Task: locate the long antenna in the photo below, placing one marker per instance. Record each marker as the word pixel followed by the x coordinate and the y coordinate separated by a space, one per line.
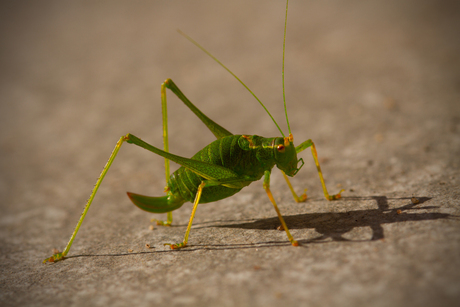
pixel 284 48
pixel 215 59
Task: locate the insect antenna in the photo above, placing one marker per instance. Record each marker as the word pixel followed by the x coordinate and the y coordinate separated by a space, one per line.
pixel 220 63
pixel 282 73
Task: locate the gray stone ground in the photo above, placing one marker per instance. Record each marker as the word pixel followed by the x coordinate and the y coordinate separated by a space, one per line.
pixel 374 83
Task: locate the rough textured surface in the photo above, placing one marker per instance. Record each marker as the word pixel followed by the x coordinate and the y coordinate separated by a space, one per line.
pixel 375 84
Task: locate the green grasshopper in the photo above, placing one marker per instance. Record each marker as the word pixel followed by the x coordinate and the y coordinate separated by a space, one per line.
pixel 219 170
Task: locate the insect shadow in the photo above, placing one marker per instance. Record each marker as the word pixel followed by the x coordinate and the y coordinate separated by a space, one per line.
pixel 331 226
pixel 334 225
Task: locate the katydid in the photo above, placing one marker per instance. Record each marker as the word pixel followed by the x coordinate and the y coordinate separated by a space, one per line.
pixel 219 170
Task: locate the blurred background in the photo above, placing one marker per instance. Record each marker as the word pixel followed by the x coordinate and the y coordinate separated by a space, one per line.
pixel 77 75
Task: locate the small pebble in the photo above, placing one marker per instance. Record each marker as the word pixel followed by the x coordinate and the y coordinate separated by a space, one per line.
pixel 414 200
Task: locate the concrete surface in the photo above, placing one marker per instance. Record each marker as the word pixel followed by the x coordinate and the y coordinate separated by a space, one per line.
pixel 374 83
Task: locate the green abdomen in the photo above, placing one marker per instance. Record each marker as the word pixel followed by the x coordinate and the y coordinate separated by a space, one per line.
pixel 223 152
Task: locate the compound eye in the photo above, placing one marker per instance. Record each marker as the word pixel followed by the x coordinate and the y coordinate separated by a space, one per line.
pixel 280 148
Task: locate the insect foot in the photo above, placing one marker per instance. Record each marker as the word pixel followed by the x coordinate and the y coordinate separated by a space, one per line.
pixel 161 223
pixel 302 197
pixel 176 246
pixel 54 258
pixel 336 196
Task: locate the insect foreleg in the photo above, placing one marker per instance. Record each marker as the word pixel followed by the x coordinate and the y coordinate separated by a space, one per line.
pixel 305 145
pixel 298 199
pixel 269 193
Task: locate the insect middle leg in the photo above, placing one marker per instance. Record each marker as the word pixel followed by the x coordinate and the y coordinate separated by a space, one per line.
pixel 236 182
pixel 189 227
pixel 270 196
